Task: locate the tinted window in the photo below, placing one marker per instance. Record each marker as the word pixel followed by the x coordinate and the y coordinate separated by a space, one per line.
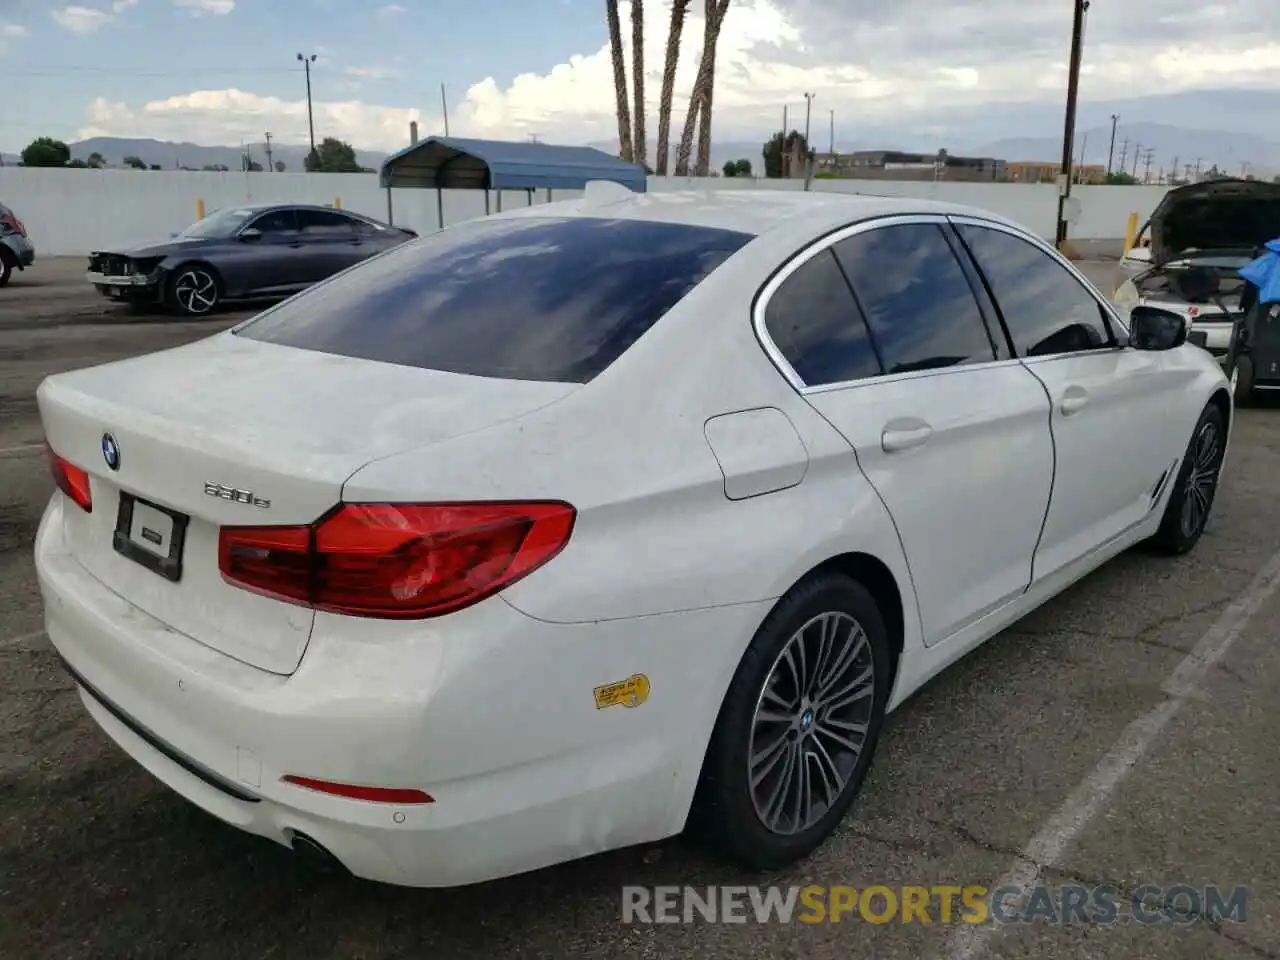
pixel 324 221
pixel 523 298
pixel 276 221
pixel 219 224
pixel 920 307
pixel 814 321
pixel 1045 308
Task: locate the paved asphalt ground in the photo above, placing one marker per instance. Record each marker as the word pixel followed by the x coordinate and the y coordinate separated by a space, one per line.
pixel 1124 735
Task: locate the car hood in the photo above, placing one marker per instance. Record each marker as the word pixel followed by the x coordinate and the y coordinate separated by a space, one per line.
pixel 1218 215
pixel 161 248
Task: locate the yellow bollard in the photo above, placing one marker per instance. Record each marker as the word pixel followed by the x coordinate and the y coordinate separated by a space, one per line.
pixel 337 203
pixel 1130 233
pixel 200 209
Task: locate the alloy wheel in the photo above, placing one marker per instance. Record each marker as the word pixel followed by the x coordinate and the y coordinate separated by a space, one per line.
pixel 196 291
pixel 811 723
pixel 1202 479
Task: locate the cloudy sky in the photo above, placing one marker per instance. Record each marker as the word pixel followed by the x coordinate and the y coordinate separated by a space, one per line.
pixel 225 71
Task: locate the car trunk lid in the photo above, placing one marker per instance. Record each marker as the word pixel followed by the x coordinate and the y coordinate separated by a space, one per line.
pixel 229 431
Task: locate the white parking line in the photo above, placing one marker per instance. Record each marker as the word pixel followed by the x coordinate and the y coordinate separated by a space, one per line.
pixel 21 639
pixel 23 450
pixel 1094 792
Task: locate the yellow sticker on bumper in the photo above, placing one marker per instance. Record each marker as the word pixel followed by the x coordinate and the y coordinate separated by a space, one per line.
pixel 630 692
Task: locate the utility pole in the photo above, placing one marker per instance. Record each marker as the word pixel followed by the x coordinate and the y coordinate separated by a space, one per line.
pixel 808 164
pixel 832 149
pixel 782 151
pixel 1244 168
pixel 1069 123
pixel 270 166
pixel 1124 155
pixel 1146 172
pixel 1199 160
pixel 1111 151
pixel 1137 155
pixel 1173 168
pixel 1079 164
pixel 311 125
pixel 444 109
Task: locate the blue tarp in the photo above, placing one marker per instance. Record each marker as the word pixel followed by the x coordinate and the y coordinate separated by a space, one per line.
pixel 1264 273
pixel 453 162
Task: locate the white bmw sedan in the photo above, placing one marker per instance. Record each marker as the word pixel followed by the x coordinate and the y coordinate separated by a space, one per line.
pixel 575 527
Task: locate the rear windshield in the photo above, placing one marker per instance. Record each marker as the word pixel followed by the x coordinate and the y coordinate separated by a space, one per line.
pixel 523 298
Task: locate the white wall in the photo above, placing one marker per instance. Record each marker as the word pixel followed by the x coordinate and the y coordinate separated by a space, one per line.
pixel 70 212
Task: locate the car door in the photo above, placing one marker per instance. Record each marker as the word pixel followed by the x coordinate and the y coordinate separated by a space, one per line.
pixel 1114 447
pixel 951 431
pixel 268 264
pixel 330 243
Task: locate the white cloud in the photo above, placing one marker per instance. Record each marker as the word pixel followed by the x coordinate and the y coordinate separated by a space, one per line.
pixel 12 31
pixel 913 66
pixel 371 73
pixel 120 6
pixel 219 117
pixel 390 10
pixel 81 20
pixel 219 8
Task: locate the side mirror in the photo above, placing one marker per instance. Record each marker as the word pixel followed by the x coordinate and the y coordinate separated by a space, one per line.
pixel 1151 328
pixel 250 235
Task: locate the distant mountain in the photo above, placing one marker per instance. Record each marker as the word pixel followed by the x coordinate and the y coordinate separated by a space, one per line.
pixel 1226 149
pixel 172 156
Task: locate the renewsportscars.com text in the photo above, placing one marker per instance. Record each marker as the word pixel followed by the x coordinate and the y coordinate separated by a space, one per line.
pixel 938 904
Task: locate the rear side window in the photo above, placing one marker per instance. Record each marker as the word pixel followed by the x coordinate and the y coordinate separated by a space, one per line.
pixel 522 299
pixel 815 323
pixel 917 300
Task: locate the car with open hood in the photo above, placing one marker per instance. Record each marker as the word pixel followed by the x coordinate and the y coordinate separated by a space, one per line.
pixel 1201 235
pixel 242 253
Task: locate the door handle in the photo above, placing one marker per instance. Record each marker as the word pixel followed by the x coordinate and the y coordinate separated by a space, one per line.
pixel 295 243
pixel 905 435
pixel 1073 400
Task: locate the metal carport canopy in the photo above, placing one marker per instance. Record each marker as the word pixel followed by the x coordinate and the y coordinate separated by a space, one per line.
pixel 457 163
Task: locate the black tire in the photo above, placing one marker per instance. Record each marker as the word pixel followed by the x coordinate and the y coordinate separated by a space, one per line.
pixel 1182 525
pixel 724 813
pixel 194 290
pixel 6 267
pixel 1242 381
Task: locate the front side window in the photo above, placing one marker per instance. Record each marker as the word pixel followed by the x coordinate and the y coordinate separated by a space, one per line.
pixel 919 304
pixel 1046 310
pixel 524 298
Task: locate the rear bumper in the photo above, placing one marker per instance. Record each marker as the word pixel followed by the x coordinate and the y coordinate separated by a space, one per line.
pixel 494 717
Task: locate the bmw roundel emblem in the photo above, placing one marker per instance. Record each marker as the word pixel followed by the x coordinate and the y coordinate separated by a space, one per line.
pixel 110 451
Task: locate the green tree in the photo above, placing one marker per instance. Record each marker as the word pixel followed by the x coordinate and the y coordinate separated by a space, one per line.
pixel 97 161
pixel 156 166
pixel 777 147
pixel 46 152
pixel 744 167
pixel 135 163
pixel 281 166
pixel 1120 179
pixel 333 156
pixel 731 168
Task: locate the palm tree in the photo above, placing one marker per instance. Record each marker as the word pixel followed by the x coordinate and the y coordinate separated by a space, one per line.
pixel 637 68
pixel 700 101
pixel 619 81
pixel 679 8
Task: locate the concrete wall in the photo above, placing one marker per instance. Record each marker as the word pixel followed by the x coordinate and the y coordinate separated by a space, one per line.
pixel 70 212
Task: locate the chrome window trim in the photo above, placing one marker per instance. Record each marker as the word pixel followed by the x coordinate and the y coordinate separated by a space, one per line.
pixel 766 293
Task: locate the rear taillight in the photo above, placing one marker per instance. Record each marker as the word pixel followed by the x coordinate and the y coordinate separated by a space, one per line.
pixel 397 560
pixel 71 480
pixel 350 791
